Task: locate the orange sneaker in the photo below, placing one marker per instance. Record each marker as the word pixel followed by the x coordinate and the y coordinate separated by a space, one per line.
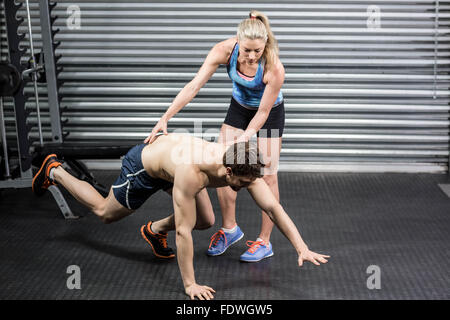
pixel 158 242
pixel 41 180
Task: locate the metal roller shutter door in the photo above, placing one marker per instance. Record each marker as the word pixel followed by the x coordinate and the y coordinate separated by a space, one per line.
pixel 360 96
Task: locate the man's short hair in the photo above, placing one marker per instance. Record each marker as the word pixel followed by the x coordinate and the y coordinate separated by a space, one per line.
pixel 244 160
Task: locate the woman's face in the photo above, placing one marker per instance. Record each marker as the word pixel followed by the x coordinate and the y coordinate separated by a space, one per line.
pixel 250 51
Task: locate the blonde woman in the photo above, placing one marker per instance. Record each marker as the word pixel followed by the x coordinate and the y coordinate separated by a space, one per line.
pixel 256 107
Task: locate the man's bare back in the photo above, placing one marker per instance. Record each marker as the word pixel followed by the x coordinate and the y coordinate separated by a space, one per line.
pixel 168 152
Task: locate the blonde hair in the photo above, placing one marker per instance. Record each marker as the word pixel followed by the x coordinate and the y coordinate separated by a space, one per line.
pixel 257 26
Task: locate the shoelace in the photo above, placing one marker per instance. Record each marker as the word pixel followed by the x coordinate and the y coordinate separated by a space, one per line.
pixel 162 238
pixel 216 237
pixel 254 245
pixel 47 184
pixel 163 241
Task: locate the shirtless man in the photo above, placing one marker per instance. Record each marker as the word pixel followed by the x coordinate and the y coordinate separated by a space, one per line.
pixel 183 166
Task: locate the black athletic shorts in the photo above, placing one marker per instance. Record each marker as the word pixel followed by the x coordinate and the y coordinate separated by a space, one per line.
pixel 134 185
pixel 239 117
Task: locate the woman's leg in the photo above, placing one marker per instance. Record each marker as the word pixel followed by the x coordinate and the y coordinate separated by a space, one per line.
pixel 270 149
pixel 227 200
pixel 227 197
pixel 107 209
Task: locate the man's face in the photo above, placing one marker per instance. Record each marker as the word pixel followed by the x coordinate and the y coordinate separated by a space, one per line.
pixel 238 182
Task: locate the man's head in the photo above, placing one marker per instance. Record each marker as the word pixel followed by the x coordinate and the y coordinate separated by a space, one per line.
pixel 243 165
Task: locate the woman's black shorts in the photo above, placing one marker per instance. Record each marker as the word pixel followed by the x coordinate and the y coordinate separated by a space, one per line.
pixel 239 117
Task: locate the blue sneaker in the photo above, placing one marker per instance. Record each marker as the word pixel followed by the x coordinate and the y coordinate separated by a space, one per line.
pixel 257 251
pixel 221 241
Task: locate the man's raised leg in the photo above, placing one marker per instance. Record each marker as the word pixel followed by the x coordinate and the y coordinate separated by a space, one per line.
pixel 51 172
pixel 108 209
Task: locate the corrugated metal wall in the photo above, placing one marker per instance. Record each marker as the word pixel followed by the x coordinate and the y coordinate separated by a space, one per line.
pixel 360 93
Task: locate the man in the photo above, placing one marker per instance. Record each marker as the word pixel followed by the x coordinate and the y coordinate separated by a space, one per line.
pixel 183 166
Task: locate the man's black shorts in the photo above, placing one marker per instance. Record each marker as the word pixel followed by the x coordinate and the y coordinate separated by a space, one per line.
pixel 134 185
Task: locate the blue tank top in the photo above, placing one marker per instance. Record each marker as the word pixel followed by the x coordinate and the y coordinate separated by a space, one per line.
pixel 248 92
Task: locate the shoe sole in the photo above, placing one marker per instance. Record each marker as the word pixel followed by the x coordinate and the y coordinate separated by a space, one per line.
pixel 268 256
pixel 218 254
pixel 40 169
pixel 151 245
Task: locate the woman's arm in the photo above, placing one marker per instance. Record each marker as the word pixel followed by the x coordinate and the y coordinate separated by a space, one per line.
pixel 218 55
pixel 275 80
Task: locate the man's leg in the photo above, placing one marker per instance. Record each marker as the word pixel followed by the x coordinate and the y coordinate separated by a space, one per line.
pixel 155 232
pixel 107 209
pixel 205 215
pixel 205 212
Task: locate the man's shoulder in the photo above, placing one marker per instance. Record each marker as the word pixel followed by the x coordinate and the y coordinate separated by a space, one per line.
pixel 256 183
pixel 189 172
pixel 189 180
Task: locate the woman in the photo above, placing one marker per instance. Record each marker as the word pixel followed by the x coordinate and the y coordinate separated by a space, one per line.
pixel 256 107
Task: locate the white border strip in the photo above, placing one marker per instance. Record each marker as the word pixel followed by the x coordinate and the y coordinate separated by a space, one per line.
pixel 315 167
